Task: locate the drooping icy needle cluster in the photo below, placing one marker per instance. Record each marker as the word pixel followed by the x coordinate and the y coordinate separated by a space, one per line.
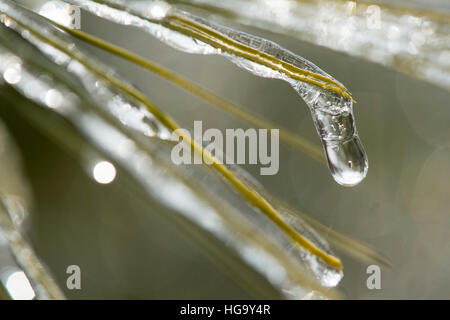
pixel 42 64
pixel 329 101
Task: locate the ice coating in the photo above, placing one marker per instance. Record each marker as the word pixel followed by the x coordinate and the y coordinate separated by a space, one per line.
pixel 328 100
pixel 408 36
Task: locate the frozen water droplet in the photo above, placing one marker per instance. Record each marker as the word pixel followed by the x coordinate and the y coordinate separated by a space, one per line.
pixel 346 158
pixel 347 161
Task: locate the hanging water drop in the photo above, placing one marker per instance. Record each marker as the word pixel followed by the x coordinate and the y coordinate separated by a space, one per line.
pixel 347 162
pixel 345 154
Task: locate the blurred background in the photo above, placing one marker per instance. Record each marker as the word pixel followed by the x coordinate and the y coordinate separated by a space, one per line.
pixel 126 251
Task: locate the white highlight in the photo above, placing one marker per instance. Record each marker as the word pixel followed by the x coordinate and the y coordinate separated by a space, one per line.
pixel 53 98
pixel 12 75
pixel 156 10
pixel 18 286
pixel 62 13
pixel 104 172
